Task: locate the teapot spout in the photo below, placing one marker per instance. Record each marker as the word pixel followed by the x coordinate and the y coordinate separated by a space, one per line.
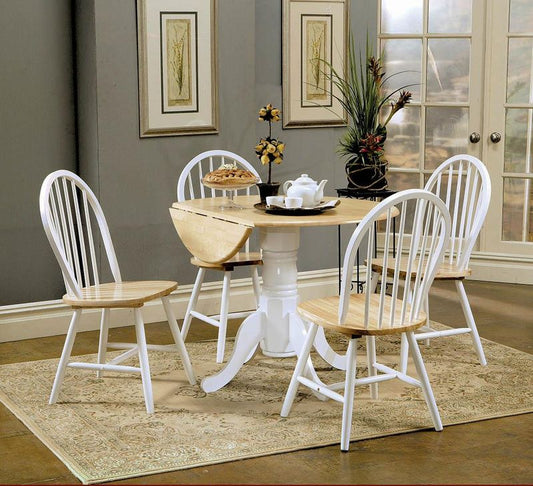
pixel 322 184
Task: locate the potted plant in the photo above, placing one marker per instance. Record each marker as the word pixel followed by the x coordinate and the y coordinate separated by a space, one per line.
pixel 269 150
pixel 363 97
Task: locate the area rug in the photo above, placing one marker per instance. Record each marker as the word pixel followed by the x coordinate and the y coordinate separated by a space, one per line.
pixel 100 430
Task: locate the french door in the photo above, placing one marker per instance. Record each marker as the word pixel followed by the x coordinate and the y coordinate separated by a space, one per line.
pixel 509 118
pixel 469 65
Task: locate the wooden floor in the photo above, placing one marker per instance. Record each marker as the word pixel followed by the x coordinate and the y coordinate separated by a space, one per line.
pixel 498 451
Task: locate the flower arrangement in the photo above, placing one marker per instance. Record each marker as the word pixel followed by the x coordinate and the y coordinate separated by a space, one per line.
pixel 269 149
pixel 363 97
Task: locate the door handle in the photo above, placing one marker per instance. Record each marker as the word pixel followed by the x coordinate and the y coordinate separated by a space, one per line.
pixel 475 137
pixel 495 137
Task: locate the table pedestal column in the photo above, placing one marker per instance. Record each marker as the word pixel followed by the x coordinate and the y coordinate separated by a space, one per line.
pixel 276 325
pixel 279 295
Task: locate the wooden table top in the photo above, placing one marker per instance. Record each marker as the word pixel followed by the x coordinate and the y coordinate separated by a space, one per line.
pixel 348 211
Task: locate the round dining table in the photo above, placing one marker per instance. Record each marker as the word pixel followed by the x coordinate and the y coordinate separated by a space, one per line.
pixel 276 325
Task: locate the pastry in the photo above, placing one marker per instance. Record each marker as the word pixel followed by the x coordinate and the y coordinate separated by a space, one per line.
pixel 229 175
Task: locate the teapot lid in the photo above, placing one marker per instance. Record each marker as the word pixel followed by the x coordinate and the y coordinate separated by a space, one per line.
pixel 304 179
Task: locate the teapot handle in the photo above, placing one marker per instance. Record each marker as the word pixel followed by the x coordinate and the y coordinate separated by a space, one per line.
pixel 286 186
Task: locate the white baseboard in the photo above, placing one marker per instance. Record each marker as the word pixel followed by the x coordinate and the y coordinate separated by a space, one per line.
pixel 501 268
pixel 50 318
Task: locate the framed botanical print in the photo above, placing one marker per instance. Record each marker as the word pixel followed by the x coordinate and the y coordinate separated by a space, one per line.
pixel 177 67
pixel 314 41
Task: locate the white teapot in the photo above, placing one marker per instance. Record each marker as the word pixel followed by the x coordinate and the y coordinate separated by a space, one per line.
pixel 309 190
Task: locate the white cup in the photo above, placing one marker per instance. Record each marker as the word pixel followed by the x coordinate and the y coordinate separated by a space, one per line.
pixel 293 202
pixel 274 200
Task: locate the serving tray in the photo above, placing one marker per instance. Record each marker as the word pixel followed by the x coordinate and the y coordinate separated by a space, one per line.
pixel 320 208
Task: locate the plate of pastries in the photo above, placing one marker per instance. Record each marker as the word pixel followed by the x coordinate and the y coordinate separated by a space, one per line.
pixel 229 176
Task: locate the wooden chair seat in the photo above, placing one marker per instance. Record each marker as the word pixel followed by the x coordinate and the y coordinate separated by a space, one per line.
pixel 239 260
pixel 445 271
pixel 121 294
pixel 325 313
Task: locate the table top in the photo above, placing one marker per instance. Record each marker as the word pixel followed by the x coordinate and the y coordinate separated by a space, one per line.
pixel 348 211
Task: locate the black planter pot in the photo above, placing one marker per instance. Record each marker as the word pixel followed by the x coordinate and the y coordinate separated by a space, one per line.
pixel 368 177
pixel 266 190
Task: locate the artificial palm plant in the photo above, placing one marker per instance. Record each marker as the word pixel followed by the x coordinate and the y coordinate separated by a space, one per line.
pixel 364 98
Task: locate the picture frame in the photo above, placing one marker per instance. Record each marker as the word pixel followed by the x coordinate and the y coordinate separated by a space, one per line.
pixel 313 30
pixel 177 65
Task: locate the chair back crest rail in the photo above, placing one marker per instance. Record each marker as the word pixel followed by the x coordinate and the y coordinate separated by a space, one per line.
pixel 75 225
pixel 429 219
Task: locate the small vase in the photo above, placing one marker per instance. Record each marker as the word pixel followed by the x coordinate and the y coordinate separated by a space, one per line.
pixel 266 189
pixel 370 177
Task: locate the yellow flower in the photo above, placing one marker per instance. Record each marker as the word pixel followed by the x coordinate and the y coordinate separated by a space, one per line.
pixel 281 147
pixel 270 148
pixel 278 160
pixel 259 147
pixel 275 112
pixel 262 112
pixel 265 159
pixel 269 107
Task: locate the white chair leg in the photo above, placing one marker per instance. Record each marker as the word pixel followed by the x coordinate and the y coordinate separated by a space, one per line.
pixel 102 341
pixel 299 370
pixel 424 380
pixel 178 339
pixel 143 360
pixel 471 323
pixel 428 322
pixel 256 285
pixel 192 302
pixel 349 391
pixel 371 359
pixel 404 353
pixel 223 319
pixel 65 355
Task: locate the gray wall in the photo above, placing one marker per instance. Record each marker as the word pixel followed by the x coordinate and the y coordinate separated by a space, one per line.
pixel 37 136
pixel 135 178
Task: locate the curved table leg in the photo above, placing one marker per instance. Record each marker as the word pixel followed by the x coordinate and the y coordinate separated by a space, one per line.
pixel 327 353
pixel 250 333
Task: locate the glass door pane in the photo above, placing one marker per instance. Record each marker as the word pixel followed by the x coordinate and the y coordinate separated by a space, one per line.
pixel 517 207
pixel 429 44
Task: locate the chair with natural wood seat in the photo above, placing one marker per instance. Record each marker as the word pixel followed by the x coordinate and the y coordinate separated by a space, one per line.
pixel 191 187
pixel 378 314
pixel 463 183
pixel 75 224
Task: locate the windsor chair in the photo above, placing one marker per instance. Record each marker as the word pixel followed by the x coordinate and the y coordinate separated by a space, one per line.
pixel 379 314
pixel 463 183
pixel 75 224
pixel 190 187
